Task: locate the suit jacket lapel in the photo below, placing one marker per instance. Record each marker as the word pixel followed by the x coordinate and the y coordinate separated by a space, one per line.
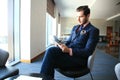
pixel 75 34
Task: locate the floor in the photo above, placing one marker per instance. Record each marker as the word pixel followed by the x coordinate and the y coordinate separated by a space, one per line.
pixel 103 68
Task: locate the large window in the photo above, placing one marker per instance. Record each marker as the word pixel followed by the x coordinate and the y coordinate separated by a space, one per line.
pixel 4 25
pixel 16 30
pixel 50 29
pixel 9 28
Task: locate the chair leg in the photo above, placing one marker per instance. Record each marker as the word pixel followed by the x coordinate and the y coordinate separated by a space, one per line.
pixel 91 75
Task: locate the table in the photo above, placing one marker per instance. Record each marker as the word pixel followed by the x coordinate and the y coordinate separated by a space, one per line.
pixel 12 78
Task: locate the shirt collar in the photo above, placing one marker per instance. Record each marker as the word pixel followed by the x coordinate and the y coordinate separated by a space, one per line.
pixel 85 25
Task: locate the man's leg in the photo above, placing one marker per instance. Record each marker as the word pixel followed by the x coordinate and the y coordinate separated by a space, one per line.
pixel 47 69
pixel 54 57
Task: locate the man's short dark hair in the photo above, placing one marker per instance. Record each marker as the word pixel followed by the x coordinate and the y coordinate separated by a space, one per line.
pixel 83 8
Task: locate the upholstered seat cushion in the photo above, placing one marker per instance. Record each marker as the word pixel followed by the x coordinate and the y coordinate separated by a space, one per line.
pixel 6 72
pixel 74 73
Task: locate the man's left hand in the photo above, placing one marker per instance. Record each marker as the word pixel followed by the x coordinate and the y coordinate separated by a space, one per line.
pixel 64 48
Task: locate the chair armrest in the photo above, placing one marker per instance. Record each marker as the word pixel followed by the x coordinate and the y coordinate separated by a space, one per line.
pixel 117 70
pixel 6 72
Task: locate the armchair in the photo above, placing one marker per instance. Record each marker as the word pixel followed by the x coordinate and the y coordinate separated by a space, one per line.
pixel 6 71
pixel 117 70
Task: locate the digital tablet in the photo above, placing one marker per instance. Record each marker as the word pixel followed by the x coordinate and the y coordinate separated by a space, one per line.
pixel 57 40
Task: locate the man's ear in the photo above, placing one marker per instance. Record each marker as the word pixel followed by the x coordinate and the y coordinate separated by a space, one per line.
pixel 88 15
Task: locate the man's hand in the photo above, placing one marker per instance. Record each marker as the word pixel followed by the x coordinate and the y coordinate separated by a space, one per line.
pixel 64 48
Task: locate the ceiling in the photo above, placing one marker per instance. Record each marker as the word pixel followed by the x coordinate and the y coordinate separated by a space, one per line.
pixel 100 9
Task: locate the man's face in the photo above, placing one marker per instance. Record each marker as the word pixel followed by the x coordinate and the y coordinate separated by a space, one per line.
pixel 82 19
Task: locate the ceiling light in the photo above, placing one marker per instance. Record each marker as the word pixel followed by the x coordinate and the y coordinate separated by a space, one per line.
pixel 113 17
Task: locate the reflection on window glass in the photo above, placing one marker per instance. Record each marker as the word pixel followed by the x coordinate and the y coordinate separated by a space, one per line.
pixel 3 25
pixel 9 28
pixel 50 29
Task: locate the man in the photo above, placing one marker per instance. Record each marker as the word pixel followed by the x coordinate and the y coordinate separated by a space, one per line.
pixel 75 52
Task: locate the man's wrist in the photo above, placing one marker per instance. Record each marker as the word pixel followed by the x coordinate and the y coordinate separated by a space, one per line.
pixel 70 52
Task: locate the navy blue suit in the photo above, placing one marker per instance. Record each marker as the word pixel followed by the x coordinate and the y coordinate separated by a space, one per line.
pixel 82 42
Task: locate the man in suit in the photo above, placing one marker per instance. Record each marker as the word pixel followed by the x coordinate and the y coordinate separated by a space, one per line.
pixel 75 52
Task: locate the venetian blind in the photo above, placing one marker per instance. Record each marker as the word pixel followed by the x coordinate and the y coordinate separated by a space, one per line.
pixel 50 7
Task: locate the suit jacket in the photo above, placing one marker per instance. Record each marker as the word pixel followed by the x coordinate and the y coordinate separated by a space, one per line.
pixel 84 41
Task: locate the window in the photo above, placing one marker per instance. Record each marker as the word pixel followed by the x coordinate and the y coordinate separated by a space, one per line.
pixel 3 25
pixel 9 28
pixel 59 30
pixel 16 34
pixel 50 29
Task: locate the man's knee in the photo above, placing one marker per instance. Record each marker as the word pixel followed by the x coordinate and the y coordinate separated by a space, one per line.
pixel 52 49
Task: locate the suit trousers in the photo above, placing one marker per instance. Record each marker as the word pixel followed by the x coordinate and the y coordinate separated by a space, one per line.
pixel 55 58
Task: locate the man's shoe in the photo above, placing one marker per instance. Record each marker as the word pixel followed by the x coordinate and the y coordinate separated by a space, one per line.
pixel 35 75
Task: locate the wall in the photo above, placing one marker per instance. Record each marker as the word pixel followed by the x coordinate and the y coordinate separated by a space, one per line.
pixel 102 25
pixel 38 27
pixel 117 26
pixel 68 23
pixel 33 31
